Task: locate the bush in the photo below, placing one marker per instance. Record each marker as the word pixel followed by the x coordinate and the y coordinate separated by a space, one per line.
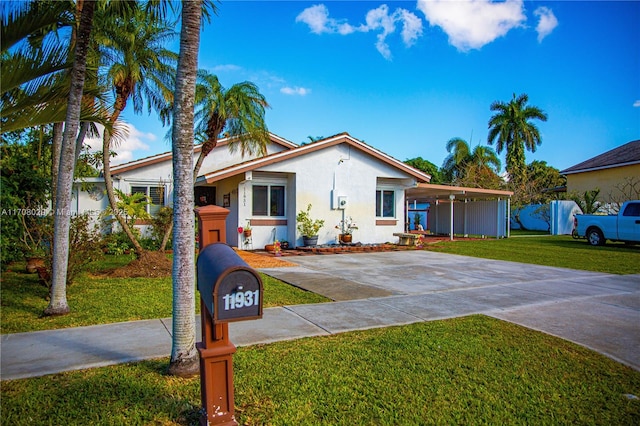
pixel 117 243
pixel 85 246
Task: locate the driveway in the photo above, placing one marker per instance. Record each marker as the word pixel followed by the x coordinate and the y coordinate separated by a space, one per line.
pixel 596 310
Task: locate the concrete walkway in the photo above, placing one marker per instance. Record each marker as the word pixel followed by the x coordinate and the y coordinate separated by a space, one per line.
pixel 599 311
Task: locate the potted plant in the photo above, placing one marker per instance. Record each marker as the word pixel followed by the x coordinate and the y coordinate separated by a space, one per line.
pixel 247 230
pixel 416 221
pixel 346 227
pixel 308 227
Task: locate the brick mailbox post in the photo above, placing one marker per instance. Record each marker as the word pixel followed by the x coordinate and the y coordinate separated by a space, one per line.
pixel 229 291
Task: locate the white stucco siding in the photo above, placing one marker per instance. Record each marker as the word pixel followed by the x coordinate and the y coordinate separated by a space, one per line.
pixel 344 171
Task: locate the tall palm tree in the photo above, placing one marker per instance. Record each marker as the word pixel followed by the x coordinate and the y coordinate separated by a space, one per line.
pixel 140 69
pixel 58 302
pixel 184 356
pixel 511 129
pixel 238 111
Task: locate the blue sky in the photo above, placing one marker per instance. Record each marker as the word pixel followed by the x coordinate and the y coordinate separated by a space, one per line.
pixel 406 77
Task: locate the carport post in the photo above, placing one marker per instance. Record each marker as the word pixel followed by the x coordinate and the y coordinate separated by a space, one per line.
pixel 498 219
pixel 451 197
pixel 508 217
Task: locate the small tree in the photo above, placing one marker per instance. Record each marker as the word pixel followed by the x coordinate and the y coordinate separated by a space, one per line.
pixel 588 201
pixel 308 227
pixel 628 189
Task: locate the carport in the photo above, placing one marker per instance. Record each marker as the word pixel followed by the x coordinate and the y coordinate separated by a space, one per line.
pixel 461 210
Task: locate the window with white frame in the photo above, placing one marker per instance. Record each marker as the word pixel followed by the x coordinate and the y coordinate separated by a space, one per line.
pixel 385 203
pixel 155 194
pixel 268 200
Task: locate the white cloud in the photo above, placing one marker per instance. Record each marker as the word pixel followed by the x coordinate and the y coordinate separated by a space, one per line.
pixel 547 22
pixel 474 23
pixel 317 18
pixel 636 104
pixel 379 19
pixel 127 140
pixel 301 91
pixel 226 68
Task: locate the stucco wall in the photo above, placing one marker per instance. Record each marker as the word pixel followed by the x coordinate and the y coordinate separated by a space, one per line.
pixel 606 180
pixel 313 179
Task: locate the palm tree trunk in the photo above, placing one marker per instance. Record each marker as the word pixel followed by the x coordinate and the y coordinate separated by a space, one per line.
pixel 56 146
pixel 207 147
pixel 184 356
pixel 108 183
pixel 62 218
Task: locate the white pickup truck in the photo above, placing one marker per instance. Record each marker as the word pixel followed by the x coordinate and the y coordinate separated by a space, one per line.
pixel 625 226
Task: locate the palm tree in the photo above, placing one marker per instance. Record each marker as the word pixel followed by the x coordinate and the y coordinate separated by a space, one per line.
pixel 58 302
pixel 238 111
pixel 462 160
pixel 454 164
pixel 35 83
pixel 139 69
pixel 184 356
pixel 511 128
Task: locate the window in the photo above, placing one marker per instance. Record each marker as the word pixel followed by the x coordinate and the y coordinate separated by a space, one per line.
pixel 268 200
pixel 632 209
pixel 155 194
pixel 385 203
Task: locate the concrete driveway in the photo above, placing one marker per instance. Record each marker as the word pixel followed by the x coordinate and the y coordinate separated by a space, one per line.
pixel 596 310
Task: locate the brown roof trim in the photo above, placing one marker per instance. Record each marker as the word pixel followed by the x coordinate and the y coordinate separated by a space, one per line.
pixel 166 156
pixel 427 190
pixel 624 155
pixel 309 148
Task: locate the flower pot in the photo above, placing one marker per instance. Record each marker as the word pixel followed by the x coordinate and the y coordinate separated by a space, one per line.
pixel 310 241
pixel 270 248
pixel 346 238
pixel 247 233
pixel 33 263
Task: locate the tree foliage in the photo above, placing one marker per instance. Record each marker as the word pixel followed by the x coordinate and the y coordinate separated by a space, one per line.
pixel 238 112
pixel 512 129
pixel 427 167
pixel 474 168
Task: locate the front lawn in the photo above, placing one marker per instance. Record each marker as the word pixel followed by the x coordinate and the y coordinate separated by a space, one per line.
pixel 98 299
pixel 472 370
pixel 561 251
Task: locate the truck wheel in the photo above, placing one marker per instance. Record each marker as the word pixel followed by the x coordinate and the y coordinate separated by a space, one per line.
pixel 595 237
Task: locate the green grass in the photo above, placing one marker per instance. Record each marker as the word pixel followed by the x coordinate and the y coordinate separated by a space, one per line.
pixel 95 299
pixel 473 370
pixel 560 251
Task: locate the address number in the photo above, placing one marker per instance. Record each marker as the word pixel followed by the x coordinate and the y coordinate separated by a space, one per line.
pixel 241 300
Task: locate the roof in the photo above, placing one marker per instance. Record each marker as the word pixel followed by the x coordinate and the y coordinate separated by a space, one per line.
pixel 166 156
pixel 306 149
pixel 426 192
pixel 625 155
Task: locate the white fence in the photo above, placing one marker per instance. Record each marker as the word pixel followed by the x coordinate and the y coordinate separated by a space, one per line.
pixel 555 217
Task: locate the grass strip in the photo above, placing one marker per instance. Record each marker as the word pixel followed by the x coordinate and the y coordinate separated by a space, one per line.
pixel 97 299
pixel 560 251
pixel 472 370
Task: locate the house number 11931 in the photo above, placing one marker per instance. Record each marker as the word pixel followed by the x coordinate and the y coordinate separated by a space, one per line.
pixel 241 300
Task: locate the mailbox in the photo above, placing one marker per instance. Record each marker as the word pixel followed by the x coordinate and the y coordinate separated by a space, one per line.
pixel 229 288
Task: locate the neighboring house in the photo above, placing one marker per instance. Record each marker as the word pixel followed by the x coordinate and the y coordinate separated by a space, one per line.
pixel 267 192
pixel 612 172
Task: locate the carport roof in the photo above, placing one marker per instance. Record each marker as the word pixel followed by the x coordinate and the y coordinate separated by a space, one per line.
pixel 426 192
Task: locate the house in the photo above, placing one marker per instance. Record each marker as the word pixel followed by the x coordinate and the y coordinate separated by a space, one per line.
pixel 267 192
pixel 612 172
pixel 340 176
